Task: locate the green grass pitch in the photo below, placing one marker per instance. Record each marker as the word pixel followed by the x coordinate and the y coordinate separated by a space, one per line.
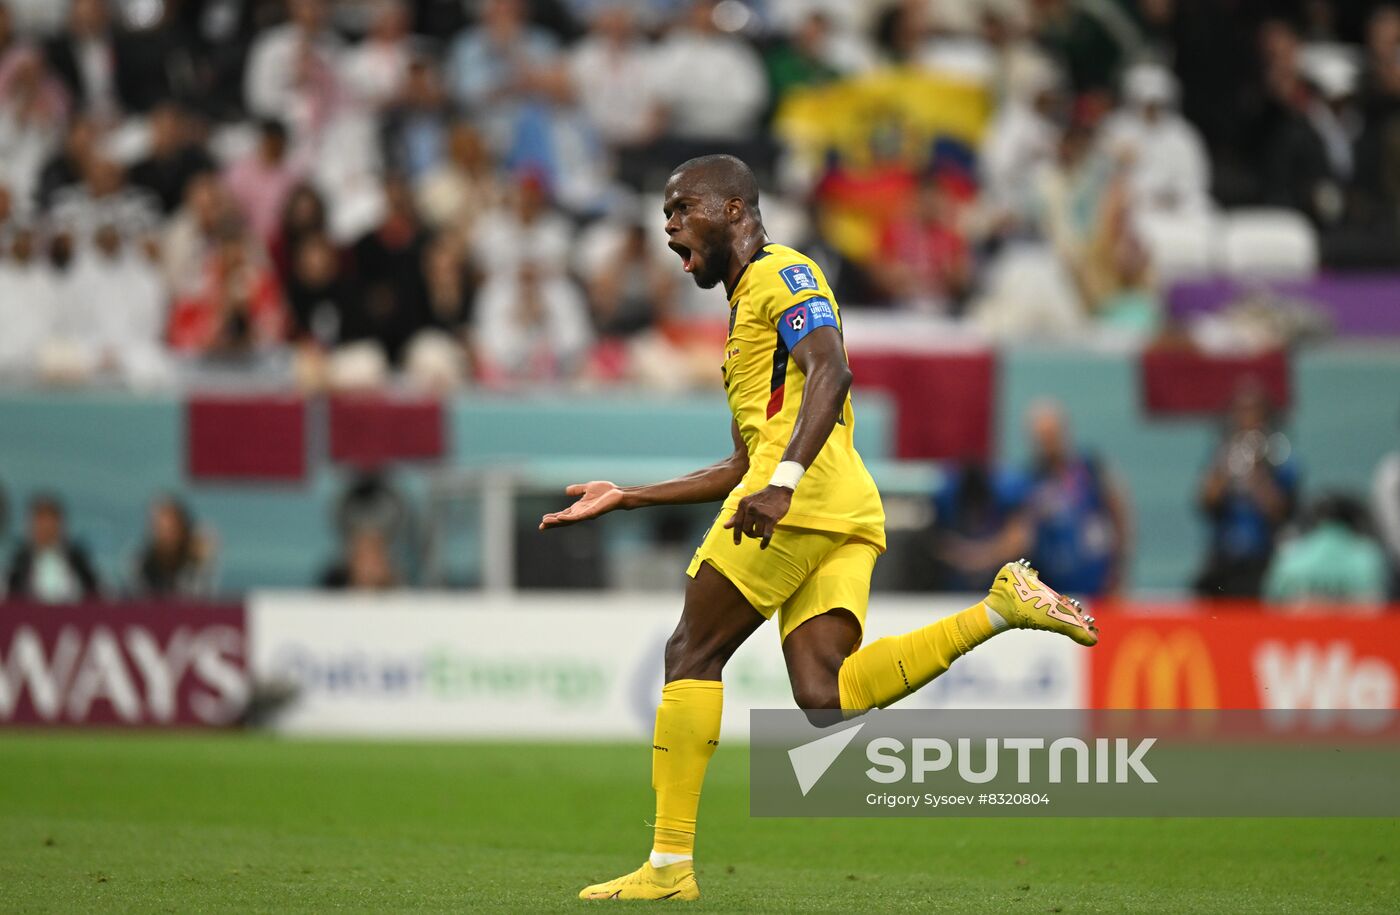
pixel 239 823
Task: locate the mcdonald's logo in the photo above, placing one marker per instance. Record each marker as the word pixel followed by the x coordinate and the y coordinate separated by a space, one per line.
pixel 1154 670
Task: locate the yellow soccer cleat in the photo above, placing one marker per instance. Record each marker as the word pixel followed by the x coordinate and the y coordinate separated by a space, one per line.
pixel 1026 602
pixel 674 881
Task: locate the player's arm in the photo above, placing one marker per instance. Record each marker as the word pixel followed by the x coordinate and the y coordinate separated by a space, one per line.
pixel 710 484
pixel 821 356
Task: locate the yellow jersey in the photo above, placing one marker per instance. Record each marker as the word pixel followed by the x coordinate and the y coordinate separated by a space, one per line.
pixel 780 297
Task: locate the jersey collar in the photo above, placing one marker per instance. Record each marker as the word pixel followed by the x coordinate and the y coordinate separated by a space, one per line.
pixel 758 255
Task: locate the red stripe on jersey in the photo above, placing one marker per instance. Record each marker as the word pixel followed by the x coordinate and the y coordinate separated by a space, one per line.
pixel 775 402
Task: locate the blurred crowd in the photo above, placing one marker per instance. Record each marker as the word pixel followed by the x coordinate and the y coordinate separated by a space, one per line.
pixel 447 192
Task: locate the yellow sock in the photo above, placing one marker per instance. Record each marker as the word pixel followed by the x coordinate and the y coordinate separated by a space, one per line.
pixel 687 733
pixel 891 668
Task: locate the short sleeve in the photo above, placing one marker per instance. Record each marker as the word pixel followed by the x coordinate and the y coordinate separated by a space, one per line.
pixel 794 300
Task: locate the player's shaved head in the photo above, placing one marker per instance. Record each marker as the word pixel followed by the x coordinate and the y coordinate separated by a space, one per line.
pixel 725 176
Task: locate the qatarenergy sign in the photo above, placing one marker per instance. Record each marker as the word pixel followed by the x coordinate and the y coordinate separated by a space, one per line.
pixel 563 667
pixel 1076 763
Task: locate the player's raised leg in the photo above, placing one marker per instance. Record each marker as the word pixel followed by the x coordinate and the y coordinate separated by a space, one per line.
pixel 891 668
pixel 887 670
pixel 715 622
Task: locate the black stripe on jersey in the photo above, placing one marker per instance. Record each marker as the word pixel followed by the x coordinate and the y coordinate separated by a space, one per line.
pixel 779 377
pixel 777 384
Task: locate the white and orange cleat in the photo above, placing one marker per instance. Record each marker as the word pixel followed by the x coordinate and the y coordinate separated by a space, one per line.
pixel 1025 602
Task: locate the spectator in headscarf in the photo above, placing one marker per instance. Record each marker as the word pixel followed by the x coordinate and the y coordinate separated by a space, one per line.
pixel 293 70
pixel 531 326
pixel 1167 169
pixel 33 111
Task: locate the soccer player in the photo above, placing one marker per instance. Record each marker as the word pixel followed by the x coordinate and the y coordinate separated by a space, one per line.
pixel 802 521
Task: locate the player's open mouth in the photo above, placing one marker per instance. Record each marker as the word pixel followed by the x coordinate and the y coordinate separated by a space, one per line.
pixel 687 257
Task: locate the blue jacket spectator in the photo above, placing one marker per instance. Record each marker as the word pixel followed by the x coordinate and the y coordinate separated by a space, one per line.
pixel 980 521
pixel 1248 493
pixel 1082 526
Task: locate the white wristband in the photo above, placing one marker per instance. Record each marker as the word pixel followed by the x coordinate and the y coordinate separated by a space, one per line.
pixel 787 475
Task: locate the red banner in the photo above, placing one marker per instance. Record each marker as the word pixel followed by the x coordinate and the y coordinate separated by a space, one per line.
pixel 124 664
pixel 246 438
pixel 1246 661
pixel 1185 382
pixel 944 402
pixel 372 430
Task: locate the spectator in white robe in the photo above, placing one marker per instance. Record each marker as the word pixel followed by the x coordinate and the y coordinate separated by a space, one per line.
pixel 531 326
pixel 26 300
pixel 1168 169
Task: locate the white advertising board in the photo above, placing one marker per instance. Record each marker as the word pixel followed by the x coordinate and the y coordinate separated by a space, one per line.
pixel 575 666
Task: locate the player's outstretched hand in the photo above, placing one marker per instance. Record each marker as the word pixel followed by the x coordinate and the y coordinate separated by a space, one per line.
pixel 594 499
pixel 758 514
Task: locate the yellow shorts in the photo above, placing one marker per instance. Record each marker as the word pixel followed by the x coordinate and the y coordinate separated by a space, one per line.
pixel 803 573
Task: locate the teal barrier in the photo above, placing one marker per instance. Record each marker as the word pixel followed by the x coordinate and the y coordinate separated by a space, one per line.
pixel 694 427
pixel 1348 414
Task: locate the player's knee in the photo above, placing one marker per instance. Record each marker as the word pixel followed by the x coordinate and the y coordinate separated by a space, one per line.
pixel 815 694
pixel 691 658
pixel 676 647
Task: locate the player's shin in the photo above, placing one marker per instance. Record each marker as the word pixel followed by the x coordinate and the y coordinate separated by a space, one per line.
pixel 889 669
pixel 687 733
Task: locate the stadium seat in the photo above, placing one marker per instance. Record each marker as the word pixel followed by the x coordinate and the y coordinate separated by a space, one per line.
pixel 1268 244
pixel 1182 246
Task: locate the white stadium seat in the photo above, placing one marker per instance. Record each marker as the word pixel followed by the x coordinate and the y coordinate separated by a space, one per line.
pixel 1268 244
pixel 1182 246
